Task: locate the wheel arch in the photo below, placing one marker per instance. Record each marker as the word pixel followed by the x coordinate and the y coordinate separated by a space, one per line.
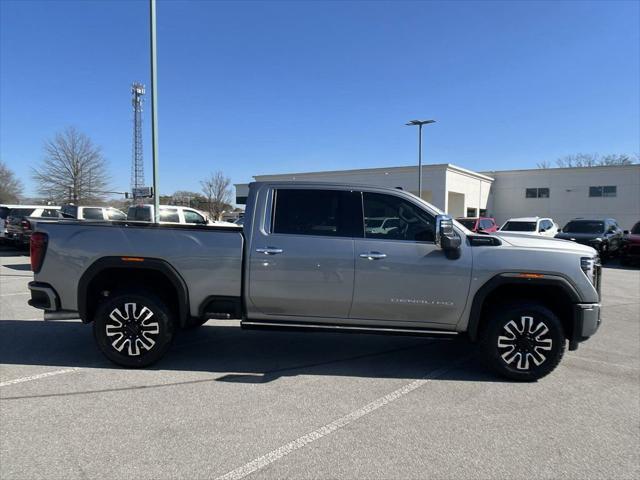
pixel 553 291
pixel 158 274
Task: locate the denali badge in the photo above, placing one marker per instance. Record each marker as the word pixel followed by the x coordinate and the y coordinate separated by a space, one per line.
pixel 420 301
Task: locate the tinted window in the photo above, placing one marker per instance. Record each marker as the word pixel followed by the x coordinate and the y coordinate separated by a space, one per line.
pixel 4 211
pixel 169 215
pixel 115 214
pixel 92 213
pixel 411 222
pixel 537 192
pixel 519 227
pixel 69 211
pixel 140 214
pixel 468 223
pixel 193 217
pixel 636 229
pixel 333 213
pixel 604 191
pixel 584 226
pixel 21 212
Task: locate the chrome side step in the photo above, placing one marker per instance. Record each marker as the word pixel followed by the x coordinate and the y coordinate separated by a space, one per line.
pixel 252 325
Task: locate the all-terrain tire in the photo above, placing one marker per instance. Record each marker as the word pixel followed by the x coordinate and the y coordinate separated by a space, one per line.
pixel 133 328
pixel 523 341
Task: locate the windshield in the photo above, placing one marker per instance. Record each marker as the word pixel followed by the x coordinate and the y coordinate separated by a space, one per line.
pixel 584 226
pixel 470 223
pixel 519 227
pixel 21 212
pixel 636 229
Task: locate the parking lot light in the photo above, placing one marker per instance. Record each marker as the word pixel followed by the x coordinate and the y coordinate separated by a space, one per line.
pixel 419 124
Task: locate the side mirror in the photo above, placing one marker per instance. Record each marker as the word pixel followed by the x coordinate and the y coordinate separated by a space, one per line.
pixel 542 230
pixel 446 237
pixel 626 232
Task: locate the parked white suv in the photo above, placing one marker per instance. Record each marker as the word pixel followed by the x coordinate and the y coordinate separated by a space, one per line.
pixel 92 213
pixel 531 226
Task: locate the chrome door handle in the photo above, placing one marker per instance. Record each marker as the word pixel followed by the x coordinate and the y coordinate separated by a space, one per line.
pixel 373 255
pixel 269 250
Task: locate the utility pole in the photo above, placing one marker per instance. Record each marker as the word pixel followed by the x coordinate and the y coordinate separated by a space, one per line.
pixel 154 112
pixel 420 123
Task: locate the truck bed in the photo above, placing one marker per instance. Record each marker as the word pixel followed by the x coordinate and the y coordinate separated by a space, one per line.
pixel 207 258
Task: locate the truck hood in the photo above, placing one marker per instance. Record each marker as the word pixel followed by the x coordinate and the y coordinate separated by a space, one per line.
pixel 538 241
pixel 579 237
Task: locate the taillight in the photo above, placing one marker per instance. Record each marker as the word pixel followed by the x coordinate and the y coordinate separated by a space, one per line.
pixel 38 247
pixel 25 224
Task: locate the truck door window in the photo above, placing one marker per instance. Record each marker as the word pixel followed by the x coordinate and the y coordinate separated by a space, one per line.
pixel 331 213
pixel 410 221
pixel 193 217
pixel 115 214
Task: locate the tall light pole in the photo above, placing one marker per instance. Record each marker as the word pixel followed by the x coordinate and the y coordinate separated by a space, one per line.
pixel 420 123
pixel 154 112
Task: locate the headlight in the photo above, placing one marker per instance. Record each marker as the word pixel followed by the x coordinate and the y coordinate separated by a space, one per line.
pixel 590 267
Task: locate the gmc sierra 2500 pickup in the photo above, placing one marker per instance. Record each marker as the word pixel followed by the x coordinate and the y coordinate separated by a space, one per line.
pixel 310 256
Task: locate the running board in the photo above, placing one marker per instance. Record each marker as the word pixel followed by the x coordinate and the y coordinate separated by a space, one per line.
pixel 314 327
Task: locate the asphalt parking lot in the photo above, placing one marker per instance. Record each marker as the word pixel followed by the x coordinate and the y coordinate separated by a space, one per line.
pixel 226 403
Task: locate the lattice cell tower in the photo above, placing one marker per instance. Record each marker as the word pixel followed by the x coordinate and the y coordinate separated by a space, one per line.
pixel 137 165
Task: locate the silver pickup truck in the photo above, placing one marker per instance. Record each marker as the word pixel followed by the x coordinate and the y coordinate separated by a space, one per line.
pixel 313 256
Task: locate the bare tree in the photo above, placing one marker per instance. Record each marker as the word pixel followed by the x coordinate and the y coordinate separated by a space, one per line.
pixel 73 169
pixel 591 160
pixel 217 191
pixel 10 186
pixel 544 164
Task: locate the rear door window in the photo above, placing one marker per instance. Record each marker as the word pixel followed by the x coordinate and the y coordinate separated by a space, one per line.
pixel 139 214
pixel 169 215
pixel 330 213
pixel 92 213
pixel 4 211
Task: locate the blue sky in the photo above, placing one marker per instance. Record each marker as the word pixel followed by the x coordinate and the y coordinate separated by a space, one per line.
pixel 267 87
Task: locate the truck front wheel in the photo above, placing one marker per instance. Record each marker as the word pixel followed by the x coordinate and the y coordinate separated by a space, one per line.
pixel 133 329
pixel 523 341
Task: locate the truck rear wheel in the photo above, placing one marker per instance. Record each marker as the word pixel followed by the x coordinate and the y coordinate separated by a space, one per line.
pixel 133 329
pixel 523 341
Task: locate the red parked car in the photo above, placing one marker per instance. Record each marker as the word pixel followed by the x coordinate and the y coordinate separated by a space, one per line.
pixel 479 224
pixel 630 250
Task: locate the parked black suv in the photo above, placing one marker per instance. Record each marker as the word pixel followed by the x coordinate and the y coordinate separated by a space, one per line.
pixel 603 234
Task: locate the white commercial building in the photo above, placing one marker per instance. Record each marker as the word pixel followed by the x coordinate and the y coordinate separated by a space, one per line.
pixel 559 193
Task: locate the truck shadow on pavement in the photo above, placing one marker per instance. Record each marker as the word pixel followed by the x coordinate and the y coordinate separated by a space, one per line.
pixel 250 357
pixel 24 267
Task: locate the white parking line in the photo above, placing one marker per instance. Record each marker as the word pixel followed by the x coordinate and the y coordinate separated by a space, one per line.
pixel 275 455
pixel 618 365
pixel 38 377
